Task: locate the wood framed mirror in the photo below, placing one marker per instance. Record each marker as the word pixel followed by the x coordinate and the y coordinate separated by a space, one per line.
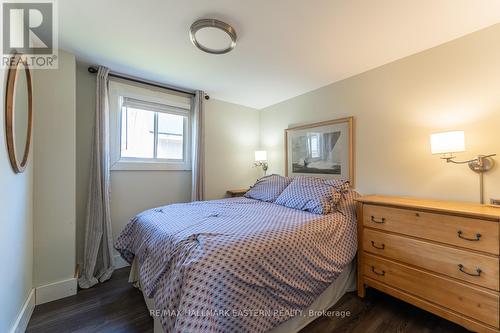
pixel 18 114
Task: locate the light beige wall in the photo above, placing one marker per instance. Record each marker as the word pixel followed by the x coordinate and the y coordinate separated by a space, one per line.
pixel 136 191
pixel 55 172
pixel 231 137
pixel 397 106
pixel 16 230
pixel 85 117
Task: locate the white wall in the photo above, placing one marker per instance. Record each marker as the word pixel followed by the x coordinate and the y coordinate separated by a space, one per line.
pixel 16 230
pixel 231 136
pixel 397 106
pixel 55 172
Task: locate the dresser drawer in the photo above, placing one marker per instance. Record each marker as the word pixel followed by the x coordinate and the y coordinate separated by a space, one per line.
pixel 465 232
pixel 435 257
pixel 470 301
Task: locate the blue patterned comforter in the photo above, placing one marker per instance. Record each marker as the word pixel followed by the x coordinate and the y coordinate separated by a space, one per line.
pixel 237 265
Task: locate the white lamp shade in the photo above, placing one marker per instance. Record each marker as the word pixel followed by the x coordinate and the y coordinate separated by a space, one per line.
pixel 260 155
pixel 448 142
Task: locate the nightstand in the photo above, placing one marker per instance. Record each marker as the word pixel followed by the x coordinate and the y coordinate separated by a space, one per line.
pixel 237 193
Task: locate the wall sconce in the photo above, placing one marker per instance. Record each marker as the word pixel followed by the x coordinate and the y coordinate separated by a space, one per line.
pixel 261 160
pixel 448 143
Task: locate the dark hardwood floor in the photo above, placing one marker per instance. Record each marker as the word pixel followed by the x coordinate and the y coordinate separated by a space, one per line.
pixel 113 306
pixel 116 306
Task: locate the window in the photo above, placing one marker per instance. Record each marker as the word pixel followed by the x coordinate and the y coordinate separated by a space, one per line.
pixel 314 141
pixel 148 133
pixel 314 146
pixel 151 131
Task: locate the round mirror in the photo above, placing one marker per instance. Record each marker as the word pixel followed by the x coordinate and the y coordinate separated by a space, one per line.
pixel 18 115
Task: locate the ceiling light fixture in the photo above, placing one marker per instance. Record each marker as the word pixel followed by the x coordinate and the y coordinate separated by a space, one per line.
pixel 213 36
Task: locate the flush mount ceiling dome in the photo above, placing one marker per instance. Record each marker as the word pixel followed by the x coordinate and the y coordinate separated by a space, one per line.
pixel 213 36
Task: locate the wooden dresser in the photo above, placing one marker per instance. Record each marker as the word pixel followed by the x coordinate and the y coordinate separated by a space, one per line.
pixel 440 256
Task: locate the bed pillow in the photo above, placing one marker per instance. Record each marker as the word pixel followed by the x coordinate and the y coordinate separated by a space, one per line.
pixel 311 194
pixel 348 205
pixel 268 188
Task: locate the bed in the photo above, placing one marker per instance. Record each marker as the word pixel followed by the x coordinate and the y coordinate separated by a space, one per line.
pixel 240 265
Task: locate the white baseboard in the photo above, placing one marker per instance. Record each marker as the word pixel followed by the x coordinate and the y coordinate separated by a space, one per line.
pixel 24 316
pixel 118 262
pixel 56 290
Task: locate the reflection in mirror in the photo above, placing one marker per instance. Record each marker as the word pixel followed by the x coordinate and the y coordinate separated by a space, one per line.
pixel 20 114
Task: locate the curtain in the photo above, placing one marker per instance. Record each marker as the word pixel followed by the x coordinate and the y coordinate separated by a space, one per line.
pixel 198 151
pixel 329 142
pixel 98 260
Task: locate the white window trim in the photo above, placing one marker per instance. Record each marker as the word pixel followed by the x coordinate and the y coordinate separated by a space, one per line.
pixel 118 90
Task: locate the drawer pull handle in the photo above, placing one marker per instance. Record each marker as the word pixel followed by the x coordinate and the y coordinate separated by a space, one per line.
pixel 460 232
pixel 378 247
pixel 462 269
pixel 378 273
pixel 378 221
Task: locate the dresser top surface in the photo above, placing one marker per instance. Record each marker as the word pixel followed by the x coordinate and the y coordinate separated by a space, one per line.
pixel 453 207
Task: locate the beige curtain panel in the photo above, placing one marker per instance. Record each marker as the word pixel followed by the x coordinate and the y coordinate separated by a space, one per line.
pixel 198 151
pixel 98 259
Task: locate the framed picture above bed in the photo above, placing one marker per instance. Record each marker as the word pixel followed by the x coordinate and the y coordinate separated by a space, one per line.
pixel 322 149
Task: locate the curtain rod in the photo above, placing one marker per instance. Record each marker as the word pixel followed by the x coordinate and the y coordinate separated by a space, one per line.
pixel 93 70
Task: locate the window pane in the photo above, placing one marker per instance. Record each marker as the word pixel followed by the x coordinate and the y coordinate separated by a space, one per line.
pixel 315 146
pixel 170 136
pixel 137 133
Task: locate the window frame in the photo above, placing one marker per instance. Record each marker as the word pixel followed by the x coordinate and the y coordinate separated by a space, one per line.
pixel 118 91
